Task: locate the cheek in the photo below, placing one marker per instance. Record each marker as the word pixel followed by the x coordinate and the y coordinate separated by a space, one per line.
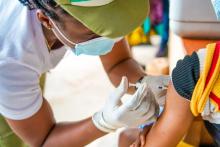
pixel 76 31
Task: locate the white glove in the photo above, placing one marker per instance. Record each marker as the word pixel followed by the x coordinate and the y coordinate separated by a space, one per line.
pixel 158 85
pixel 141 108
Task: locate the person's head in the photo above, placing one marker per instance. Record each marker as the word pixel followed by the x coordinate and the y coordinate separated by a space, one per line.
pixel 50 13
pixel 83 20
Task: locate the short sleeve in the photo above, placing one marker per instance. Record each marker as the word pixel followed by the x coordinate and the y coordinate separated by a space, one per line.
pixel 185 75
pixel 20 93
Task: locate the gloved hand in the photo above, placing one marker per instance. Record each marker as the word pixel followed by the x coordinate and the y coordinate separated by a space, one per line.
pixel 141 108
pixel 158 85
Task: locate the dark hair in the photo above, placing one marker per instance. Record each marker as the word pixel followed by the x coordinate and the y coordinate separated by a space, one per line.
pixel 47 6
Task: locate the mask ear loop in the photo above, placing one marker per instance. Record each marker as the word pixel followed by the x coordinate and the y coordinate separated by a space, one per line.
pixel 62 35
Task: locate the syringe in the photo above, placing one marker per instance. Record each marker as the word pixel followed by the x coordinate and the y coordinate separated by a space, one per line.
pixel 134 85
pixel 164 87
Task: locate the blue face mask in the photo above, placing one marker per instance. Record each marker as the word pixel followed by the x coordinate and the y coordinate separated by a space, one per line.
pixel 95 47
pixel 216 5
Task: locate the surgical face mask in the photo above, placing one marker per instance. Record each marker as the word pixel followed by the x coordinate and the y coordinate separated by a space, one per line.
pixel 95 47
pixel 216 5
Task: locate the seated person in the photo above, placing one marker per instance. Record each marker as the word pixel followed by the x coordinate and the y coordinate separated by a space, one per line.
pixel 194 90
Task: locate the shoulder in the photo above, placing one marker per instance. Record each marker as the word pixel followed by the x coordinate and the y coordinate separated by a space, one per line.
pixel 13 70
pixel 20 91
pixel 186 74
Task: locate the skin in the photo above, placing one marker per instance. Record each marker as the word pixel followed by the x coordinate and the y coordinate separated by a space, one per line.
pixel 48 132
pixel 172 125
pixel 133 137
pixel 127 137
pixel 141 141
pixel 118 63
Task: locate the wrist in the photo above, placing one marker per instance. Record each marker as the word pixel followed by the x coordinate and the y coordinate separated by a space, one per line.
pixel 93 130
pixel 100 123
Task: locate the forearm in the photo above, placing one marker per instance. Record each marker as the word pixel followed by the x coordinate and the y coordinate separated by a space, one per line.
pixel 119 62
pixel 129 68
pixel 42 130
pixel 73 134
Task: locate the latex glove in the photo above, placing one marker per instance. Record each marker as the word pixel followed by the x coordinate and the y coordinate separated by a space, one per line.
pixel 158 85
pixel 141 108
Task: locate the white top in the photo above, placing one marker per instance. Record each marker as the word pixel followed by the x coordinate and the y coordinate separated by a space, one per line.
pixel 24 57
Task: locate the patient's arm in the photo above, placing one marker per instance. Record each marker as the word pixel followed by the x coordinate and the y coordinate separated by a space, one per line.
pixel 177 117
pixel 173 123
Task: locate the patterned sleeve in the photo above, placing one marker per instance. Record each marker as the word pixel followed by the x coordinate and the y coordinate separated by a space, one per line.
pixel 186 74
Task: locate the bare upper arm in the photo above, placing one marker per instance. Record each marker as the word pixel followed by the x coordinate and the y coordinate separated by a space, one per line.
pixel 35 129
pixel 173 123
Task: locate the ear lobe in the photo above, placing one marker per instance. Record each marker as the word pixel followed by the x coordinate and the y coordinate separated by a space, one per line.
pixel 44 19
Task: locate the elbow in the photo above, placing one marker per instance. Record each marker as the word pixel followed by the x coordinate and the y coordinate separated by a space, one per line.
pixel 41 141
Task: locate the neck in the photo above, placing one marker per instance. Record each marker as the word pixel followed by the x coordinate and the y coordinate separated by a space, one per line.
pixel 53 42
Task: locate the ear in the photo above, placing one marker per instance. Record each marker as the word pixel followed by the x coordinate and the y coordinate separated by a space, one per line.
pixel 44 19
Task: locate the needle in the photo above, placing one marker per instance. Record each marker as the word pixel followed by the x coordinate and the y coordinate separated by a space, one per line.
pixel 138 84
